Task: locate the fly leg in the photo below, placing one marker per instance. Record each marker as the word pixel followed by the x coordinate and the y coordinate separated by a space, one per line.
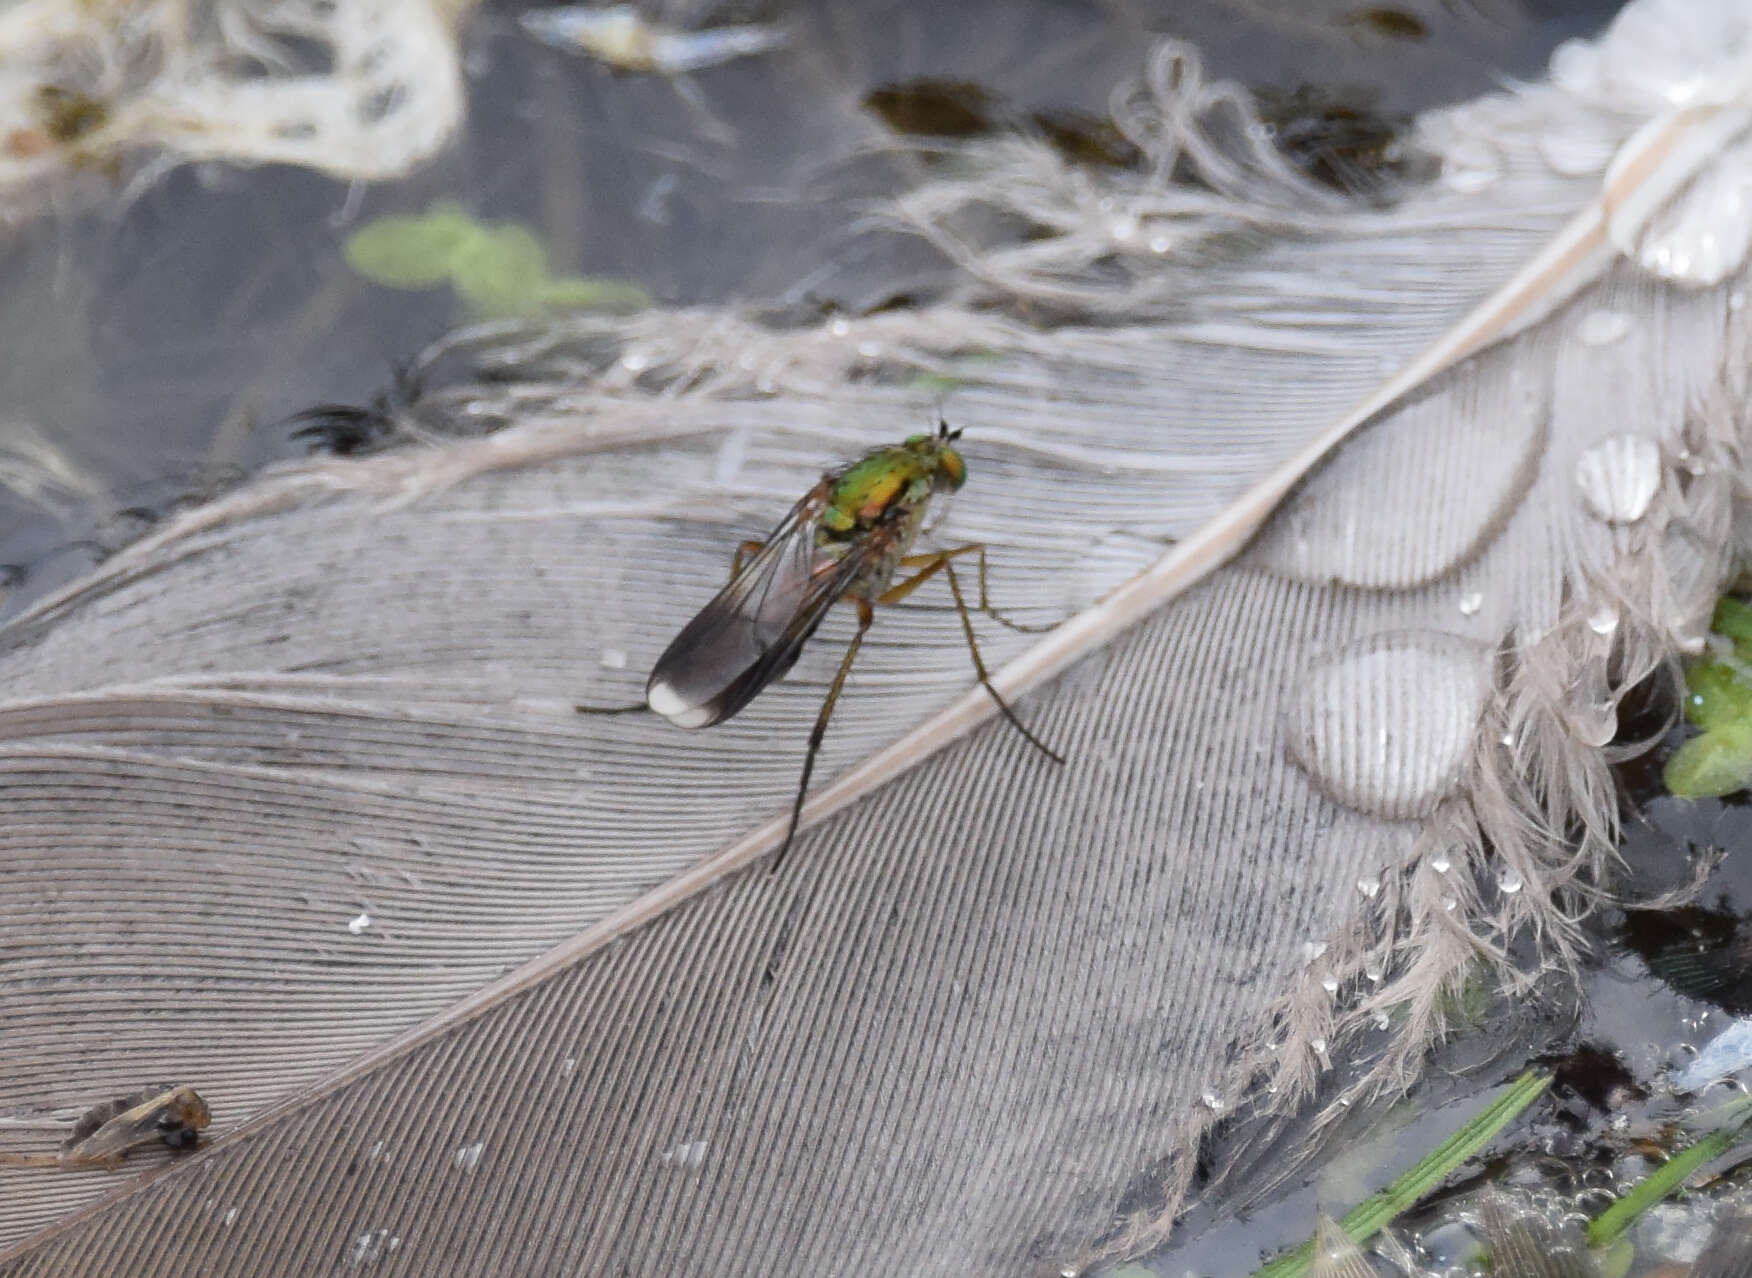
pixel 939 562
pixel 33 1160
pixel 928 558
pixel 743 550
pixel 865 615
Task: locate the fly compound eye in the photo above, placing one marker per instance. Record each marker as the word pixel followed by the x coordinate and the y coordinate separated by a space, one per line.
pixel 953 468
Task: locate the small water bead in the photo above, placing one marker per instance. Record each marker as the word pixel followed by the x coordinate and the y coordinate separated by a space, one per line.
pixel 1469 181
pixel 1511 882
pixel 1161 243
pixel 469 1156
pixel 614 659
pixel 839 326
pixel 1382 1020
pixel 1470 604
pixel 1602 328
pixel 357 925
pixel 1604 622
pixel 1329 984
pixel 1375 972
pixel 690 1154
pixel 1450 903
pixel 635 361
pixel 1369 886
pixel 1440 863
pixel 1212 1101
pixel 1312 950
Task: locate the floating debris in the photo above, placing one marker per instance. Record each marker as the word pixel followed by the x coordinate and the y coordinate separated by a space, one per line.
pixel 1702 953
pixel 1728 1254
pixel 1387 24
pixel 1722 1057
pixel 1335 1255
pixel 107 1133
pixel 937 108
pixel 500 269
pixel 621 37
pixel 961 109
pixel 1340 138
pixel 1523 1244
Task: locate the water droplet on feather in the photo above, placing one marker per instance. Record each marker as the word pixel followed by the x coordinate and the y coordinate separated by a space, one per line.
pixel 1619 477
pixel 1385 725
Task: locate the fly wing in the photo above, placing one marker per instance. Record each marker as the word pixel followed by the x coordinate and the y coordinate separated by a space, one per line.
pixel 753 630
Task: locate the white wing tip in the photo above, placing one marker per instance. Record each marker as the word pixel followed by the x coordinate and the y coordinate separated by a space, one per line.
pixel 667 702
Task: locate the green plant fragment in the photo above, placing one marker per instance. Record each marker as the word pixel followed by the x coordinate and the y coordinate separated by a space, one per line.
pixel 501 272
pixel 1376 1212
pixel 412 252
pixel 1718 762
pixel 1733 618
pixel 1717 693
pixel 592 293
pixel 1609 1225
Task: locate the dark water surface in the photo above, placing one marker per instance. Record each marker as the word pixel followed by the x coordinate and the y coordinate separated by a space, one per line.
pixel 156 349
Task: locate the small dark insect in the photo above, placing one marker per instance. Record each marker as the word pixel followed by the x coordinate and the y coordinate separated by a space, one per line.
pixel 845 539
pixel 347 429
pixel 105 1134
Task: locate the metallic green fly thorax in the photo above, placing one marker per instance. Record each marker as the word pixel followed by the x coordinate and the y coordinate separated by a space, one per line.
pixel 865 492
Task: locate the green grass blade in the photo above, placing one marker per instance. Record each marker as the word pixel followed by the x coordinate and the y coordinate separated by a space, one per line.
pixel 1430 1171
pixel 1609 1224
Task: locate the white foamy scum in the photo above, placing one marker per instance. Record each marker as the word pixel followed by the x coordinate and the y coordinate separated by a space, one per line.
pixel 983 1016
pixel 173 83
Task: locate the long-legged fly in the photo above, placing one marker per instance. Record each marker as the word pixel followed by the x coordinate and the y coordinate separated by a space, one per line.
pixel 106 1133
pixel 846 539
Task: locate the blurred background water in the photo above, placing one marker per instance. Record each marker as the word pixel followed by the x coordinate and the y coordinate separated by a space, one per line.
pixel 158 340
